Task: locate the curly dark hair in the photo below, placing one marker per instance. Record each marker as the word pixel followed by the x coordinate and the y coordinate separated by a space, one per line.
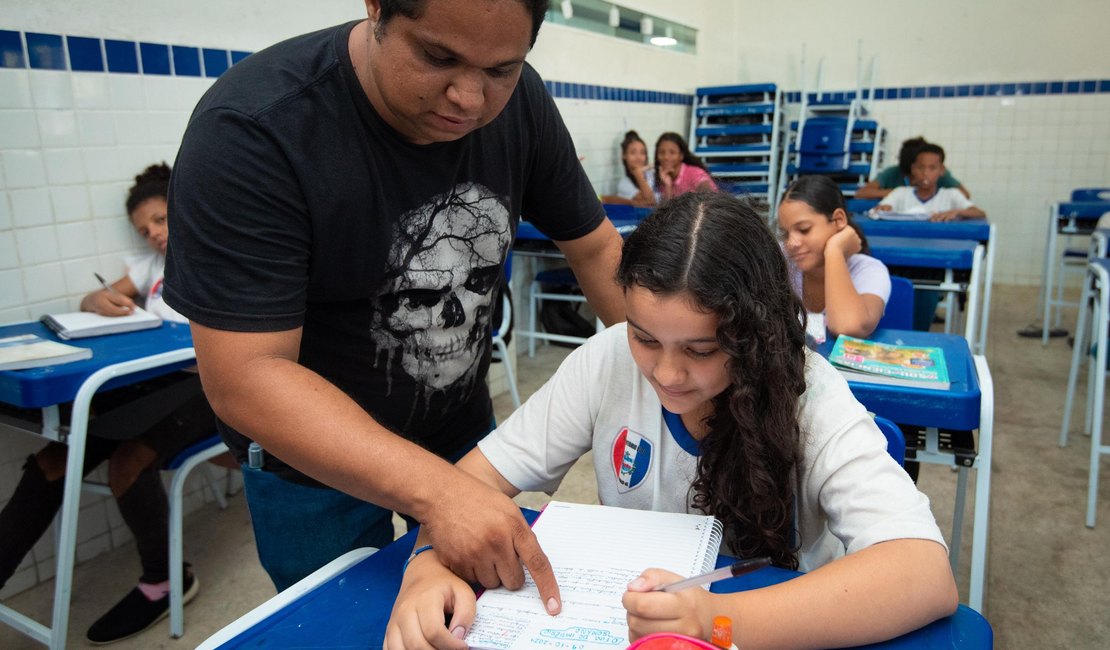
pixel 413 9
pixel 153 182
pixel 823 195
pixel 718 250
pixel 688 157
pixel 630 138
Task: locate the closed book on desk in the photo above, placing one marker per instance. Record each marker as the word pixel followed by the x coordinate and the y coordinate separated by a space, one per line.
pixel 30 351
pixel 81 324
pixel 595 552
pixel 870 362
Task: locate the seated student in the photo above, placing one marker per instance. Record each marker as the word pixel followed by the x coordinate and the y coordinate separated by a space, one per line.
pixel 135 428
pixel 678 170
pixel 747 425
pixel 898 175
pixel 924 193
pixel 635 187
pixel 829 266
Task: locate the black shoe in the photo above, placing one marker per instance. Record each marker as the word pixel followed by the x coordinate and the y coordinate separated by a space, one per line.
pixel 135 613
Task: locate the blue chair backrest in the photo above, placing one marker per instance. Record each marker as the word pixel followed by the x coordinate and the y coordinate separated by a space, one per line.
pixel 1091 194
pixel 899 308
pixel 824 135
pixel 895 441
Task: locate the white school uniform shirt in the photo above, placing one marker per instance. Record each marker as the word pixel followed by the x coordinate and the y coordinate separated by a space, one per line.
pixel 626 189
pixel 147 273
pixel 850 494
pixel 904 200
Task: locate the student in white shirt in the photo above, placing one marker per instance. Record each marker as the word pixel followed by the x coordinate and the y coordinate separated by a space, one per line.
pixel 830 269
pixel 135 428
pixel 711 385
pixel 635 187
pixel 923 195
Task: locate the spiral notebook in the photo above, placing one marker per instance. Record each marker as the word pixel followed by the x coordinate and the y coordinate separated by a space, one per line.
pixel 82 324
pixel 595 552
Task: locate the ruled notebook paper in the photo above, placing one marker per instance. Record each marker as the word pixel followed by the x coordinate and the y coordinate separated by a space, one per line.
pixel 595 551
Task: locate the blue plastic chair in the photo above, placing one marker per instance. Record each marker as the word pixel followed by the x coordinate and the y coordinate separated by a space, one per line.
pixel 895 441
pixel 899 307
pixel 502 328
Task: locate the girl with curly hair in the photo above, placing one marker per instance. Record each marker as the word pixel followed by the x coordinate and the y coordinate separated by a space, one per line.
pixel 711 373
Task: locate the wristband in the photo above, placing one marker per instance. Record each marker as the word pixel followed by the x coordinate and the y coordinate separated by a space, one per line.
pixel 426 547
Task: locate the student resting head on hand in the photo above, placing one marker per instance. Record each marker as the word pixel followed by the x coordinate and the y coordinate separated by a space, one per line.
pixel 678 170
pixel 635 187
pixel 829 266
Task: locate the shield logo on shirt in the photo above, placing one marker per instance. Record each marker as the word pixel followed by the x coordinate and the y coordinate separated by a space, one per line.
pixel 631 456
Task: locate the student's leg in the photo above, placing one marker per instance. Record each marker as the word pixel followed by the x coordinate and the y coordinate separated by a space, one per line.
pixel 300 528
pixel 36 500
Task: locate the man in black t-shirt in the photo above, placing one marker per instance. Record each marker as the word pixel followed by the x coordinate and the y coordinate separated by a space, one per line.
pixel 343 204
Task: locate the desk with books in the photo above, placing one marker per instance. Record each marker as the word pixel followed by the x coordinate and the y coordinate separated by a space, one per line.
pixel 939 426
pixel 117 360
pixel 347 604
pixel 968 230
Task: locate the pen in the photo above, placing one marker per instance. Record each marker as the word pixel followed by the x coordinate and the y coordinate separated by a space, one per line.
pixel 735 569
pixel 107 287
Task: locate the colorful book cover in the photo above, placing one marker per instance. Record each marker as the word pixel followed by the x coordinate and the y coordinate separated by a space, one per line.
pixel 890 364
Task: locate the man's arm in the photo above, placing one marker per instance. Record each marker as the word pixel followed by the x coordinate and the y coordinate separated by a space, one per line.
pixel 256 386
pixel 594 258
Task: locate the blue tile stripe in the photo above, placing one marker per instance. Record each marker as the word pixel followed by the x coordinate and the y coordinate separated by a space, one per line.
pixel 89 54
pixel 1032 88
pixel 571 90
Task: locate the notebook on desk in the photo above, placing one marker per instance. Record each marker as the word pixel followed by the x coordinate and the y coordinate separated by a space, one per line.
pixel 30 351
pixel 595 552
pixel 81 324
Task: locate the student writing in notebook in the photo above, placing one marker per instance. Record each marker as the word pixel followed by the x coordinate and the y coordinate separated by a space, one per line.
pixel 708 400
pixel 135 428
pixel 829 267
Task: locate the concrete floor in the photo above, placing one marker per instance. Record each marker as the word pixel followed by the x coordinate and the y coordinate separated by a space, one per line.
pixel 1047 572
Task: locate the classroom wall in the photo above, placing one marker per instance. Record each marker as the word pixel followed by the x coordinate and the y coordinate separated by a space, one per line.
pixel 71 143
pixel 1016 151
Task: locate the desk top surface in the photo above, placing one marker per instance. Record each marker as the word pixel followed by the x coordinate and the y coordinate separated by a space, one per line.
pixel 969 229
pixel 923 252
pixel 49 385
pixel 957 408
pixel 351 609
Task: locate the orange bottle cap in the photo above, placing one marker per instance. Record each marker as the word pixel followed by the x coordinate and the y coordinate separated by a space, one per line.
pixel 722 632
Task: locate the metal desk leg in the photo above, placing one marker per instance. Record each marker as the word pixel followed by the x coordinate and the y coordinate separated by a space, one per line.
pixel 982 485
pixel 1049 267
pixel 949 302
pixel 1077 354
pixel 988 282
pixel 973 297
pixel 1102 301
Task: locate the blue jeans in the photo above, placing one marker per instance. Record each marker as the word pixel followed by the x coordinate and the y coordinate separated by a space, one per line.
pixel 299 529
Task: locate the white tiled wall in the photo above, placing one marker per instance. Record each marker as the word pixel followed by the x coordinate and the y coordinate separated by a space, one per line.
pixel 70 145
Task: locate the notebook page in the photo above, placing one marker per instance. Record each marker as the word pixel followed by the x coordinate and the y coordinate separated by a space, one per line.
pixel 595 552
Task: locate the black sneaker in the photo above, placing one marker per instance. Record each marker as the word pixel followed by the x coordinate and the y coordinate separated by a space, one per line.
pixel 135 613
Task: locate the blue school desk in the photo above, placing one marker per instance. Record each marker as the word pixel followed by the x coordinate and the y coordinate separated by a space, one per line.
pixel 976 230
pixel 347 604
pixel 949 256
pixel 532 244
pixel 118 359
pixel 1065 218
pixel 941 417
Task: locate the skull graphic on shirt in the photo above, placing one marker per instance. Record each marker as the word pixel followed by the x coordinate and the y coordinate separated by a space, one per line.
pixel 436 303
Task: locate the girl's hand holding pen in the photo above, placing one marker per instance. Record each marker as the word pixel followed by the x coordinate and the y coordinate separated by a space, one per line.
pixel 689 611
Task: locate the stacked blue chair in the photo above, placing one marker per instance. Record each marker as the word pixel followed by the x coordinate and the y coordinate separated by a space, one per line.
pixel 736 131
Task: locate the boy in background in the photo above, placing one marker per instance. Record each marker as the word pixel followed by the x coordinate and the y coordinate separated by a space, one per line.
pixel 924 195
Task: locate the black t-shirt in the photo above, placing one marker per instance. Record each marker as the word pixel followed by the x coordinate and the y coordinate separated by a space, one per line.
pixel 294 204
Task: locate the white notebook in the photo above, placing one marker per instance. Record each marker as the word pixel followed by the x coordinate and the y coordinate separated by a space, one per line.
pixel 595 552
pixel 81 324
pixel 31 351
